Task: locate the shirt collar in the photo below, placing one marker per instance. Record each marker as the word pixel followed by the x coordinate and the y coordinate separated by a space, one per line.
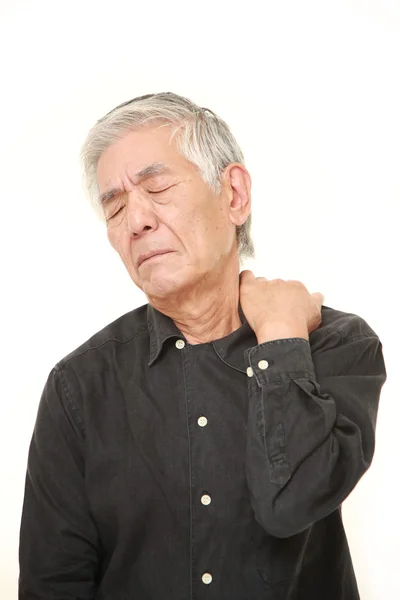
pixel 161 327
pixel 230 348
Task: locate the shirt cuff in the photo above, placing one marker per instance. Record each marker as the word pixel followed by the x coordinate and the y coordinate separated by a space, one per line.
pixel 279 361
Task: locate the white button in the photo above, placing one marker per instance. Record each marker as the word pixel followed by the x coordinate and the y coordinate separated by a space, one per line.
pixel 249 371
pixel 202 421
pixel 206 500
pixel 206 578
pixel 180 344
pixel 263 364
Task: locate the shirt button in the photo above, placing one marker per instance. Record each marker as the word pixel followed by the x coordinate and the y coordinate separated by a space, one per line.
pixel 249 371
pixel 206 578
pixel 263 364
pixel 206 500
pixel 180 344
pixel 202 421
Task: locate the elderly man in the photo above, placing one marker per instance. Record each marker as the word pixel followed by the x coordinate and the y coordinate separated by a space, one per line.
pixel 199 446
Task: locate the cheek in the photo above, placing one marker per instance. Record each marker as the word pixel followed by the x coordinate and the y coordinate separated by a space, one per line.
pixel 199 219
pixel 213 224
pixel 112 238
pixel 116 240
pixel 120 243
pixel 203 228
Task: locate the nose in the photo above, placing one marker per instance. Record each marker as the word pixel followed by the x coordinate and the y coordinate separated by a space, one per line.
pixel 140 215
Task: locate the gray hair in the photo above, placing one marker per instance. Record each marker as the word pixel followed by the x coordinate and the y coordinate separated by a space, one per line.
pixel 204 139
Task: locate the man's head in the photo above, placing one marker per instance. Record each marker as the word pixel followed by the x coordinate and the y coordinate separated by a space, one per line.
pixel 165 174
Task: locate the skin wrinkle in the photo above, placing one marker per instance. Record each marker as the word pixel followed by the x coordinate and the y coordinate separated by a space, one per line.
pixel 197 284
pixel 145 173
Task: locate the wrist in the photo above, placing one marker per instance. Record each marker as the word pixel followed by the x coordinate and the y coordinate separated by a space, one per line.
pixel 281 330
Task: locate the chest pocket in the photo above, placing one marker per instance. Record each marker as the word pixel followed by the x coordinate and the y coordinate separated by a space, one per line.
pixel 278 559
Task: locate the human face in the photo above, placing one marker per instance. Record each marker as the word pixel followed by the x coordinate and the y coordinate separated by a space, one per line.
pixel 173 211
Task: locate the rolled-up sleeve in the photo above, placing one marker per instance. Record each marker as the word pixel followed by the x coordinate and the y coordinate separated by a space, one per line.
pixel 311 426
pixel 59 543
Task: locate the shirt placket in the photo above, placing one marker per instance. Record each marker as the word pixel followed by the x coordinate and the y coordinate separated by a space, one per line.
pixel 201 575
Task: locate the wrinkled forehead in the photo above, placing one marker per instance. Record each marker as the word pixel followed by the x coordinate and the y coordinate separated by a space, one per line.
pixel 139 155
pixel 141 147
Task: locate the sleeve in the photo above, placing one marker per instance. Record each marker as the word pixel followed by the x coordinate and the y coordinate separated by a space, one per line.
pixel 311 426
pixel 59 543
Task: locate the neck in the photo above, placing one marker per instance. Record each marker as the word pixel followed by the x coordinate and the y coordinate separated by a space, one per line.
pixel 210 321
pixel 209 310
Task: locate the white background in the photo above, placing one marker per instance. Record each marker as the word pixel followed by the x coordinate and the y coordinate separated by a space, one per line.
pixel 311 91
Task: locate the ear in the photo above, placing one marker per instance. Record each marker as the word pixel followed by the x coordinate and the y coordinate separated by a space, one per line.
pixel 236 187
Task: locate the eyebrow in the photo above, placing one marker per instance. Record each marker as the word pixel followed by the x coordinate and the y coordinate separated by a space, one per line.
pixel 156 168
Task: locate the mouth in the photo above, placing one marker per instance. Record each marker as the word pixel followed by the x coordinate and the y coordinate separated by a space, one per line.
pixel 144 259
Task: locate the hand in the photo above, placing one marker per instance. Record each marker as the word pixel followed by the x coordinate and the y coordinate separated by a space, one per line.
pixel 275 301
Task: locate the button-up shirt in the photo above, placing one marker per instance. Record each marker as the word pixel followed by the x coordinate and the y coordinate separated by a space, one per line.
pixel 162 470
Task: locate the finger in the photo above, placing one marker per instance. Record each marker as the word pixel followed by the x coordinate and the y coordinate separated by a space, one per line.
pixel 247 274
pixel 320 297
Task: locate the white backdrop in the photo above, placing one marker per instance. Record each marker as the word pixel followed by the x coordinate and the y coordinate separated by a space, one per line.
pixel 311 91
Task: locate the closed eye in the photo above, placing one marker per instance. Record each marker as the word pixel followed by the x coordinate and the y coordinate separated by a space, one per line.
pixel 150 192
pixel 114 214
pixel 159 191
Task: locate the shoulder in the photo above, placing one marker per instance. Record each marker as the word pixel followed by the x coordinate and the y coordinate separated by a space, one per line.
pixel 343 326
pixel 118 332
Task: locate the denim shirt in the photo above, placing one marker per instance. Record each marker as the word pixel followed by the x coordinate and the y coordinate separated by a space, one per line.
pixel 162 470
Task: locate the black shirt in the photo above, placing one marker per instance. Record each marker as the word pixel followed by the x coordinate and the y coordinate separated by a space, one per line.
pixel 161 470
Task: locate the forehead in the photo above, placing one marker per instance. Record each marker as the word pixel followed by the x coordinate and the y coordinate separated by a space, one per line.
pixel 136 153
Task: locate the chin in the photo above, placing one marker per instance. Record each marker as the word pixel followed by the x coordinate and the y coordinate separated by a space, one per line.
pixel 163 283
pixel 160 287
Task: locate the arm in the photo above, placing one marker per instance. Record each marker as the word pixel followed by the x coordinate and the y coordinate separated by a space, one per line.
pixel 58 546
pixel 311 426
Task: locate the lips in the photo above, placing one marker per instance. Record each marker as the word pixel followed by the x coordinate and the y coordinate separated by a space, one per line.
pixel 143 257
